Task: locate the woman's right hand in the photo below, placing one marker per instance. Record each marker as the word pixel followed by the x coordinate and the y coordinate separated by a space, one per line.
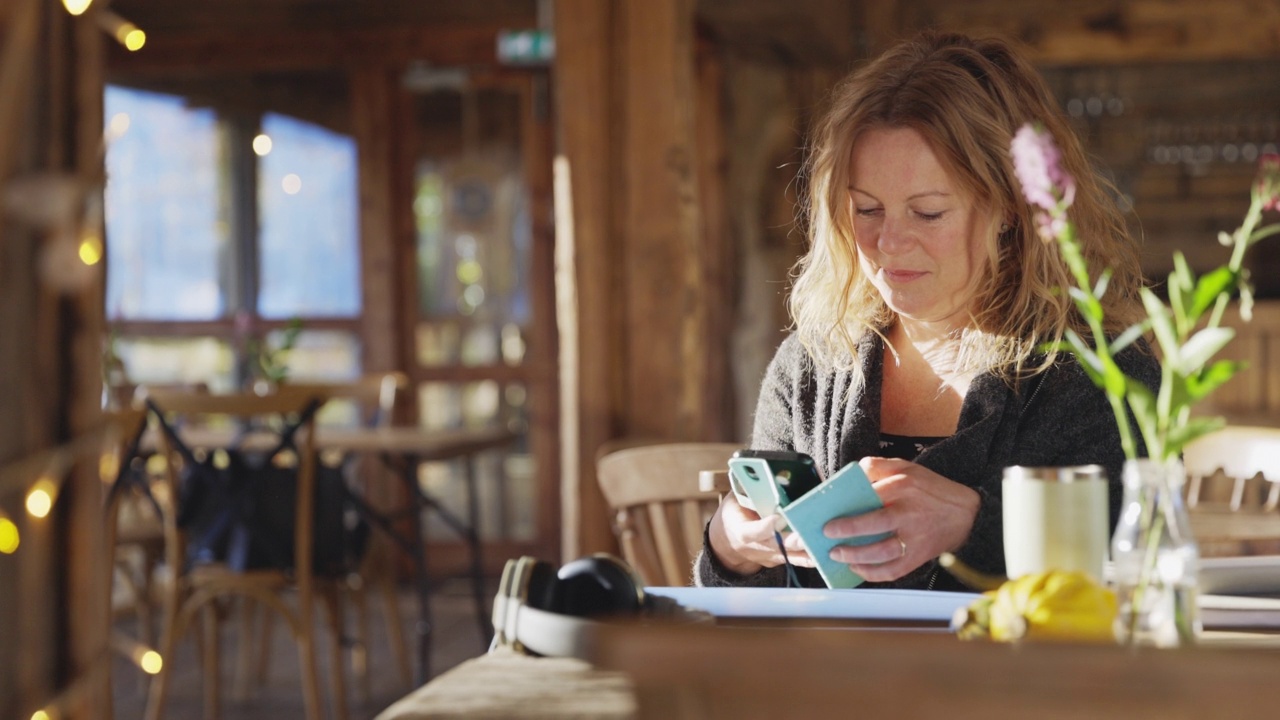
pixel 744 542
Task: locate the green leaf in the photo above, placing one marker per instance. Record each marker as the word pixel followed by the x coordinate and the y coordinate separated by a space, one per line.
pixel 1088 358
pixel 1179 397
pixel 1182 434
pixel 1180 284
pixel 1143 404
pixel 1208 288
pixel 1113 377
pixel 1211 378
pixel 1089 306
pixel 1181 271
pixel 1161 323
pixel 1128 337
pixel 1052 346
pixel 1103 280
pixel 1202 346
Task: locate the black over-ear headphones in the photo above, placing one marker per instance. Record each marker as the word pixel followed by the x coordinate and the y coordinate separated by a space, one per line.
pixel 545 611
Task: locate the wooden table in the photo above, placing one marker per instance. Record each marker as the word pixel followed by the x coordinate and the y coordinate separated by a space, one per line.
pixel 403 449
pixel 737 671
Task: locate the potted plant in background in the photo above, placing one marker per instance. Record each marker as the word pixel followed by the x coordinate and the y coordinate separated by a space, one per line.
pixel 1154 553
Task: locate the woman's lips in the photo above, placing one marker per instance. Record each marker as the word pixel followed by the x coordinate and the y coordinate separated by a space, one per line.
pixel 902 275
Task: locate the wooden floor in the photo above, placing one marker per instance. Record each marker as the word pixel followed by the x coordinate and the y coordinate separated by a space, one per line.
pixel 456 638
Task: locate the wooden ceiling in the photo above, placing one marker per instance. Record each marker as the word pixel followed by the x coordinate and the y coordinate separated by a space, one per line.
pixel 293 32
pixel 1056 33
pixel 268 54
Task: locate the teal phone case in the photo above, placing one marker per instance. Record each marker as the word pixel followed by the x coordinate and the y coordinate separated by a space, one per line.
pixel 753 484
pixel 847 493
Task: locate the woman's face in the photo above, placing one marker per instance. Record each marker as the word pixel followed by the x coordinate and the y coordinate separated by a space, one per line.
pixel 917 232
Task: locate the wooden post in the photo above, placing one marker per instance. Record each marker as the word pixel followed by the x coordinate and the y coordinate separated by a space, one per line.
pixel 52 612
pixel 633 308
pixel 372 110
pixel 584 262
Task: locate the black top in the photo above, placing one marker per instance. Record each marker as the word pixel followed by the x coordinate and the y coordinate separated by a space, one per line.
pixel 905 447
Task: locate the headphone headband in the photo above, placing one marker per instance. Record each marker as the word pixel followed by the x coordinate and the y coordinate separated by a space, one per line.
pixel 541 611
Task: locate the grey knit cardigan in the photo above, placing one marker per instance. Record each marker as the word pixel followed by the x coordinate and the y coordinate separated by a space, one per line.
pixel 1055 418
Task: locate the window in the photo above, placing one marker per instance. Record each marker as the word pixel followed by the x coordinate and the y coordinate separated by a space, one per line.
pixel 223 227
pixel 306 198
pixel 162 210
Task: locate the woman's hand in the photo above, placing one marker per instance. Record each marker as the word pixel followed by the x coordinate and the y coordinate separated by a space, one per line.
pixel 744 542
pixel 927 514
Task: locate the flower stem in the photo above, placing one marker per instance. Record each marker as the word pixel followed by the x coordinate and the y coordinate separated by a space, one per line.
pixel 1075 262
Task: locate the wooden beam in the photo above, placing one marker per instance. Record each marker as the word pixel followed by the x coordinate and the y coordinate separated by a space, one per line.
pixel 217 49
pixel 1112 31
pixel 584 263
pixel 288 15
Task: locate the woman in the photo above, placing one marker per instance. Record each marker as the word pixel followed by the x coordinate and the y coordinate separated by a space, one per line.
pixel 921 312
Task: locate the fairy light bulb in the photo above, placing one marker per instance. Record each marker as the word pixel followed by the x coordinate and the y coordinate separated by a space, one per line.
pixel 76 7
pixel 9 539
pixel 40 498
pixel 151 662
pixel 90 248
pixel 131 37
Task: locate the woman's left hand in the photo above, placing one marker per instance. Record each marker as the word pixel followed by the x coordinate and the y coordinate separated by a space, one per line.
pixel 927 514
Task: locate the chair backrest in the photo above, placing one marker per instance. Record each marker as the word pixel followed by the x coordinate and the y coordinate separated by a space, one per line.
pixel 659 510
pixel 374 394
pixel 292 407
pixel 1248 457
pixel 123 490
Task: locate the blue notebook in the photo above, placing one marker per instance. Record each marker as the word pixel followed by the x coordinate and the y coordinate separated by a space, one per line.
pixel 848 492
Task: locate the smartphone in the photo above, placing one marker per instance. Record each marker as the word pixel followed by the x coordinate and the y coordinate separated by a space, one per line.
pixel 766 480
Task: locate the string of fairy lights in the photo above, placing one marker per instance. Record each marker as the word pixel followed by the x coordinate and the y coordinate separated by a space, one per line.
pixel 39 479
pixel 61 201
pixel 125 32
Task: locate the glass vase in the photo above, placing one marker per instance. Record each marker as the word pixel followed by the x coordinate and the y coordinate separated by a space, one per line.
pixel 1156 558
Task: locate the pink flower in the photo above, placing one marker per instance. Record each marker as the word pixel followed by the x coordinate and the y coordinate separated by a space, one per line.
pixel 1268 183
pixel 1038 164
pixel 1050 226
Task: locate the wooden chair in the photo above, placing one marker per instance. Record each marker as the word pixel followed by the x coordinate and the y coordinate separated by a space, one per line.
pixel 375 397
pixel 659 509
pixel 133 534
pixel 201 589
pixel 1233 490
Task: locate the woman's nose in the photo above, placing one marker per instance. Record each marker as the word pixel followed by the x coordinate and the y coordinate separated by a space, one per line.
pixel 893 239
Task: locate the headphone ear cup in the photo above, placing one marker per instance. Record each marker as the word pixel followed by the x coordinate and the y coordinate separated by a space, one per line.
pixel 541 586
pixel 595 585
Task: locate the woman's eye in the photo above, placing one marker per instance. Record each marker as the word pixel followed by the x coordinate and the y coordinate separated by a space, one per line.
pixel 929 216
pixel 867 212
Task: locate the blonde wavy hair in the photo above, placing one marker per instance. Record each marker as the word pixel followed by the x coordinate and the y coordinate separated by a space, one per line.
pixel 967 97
